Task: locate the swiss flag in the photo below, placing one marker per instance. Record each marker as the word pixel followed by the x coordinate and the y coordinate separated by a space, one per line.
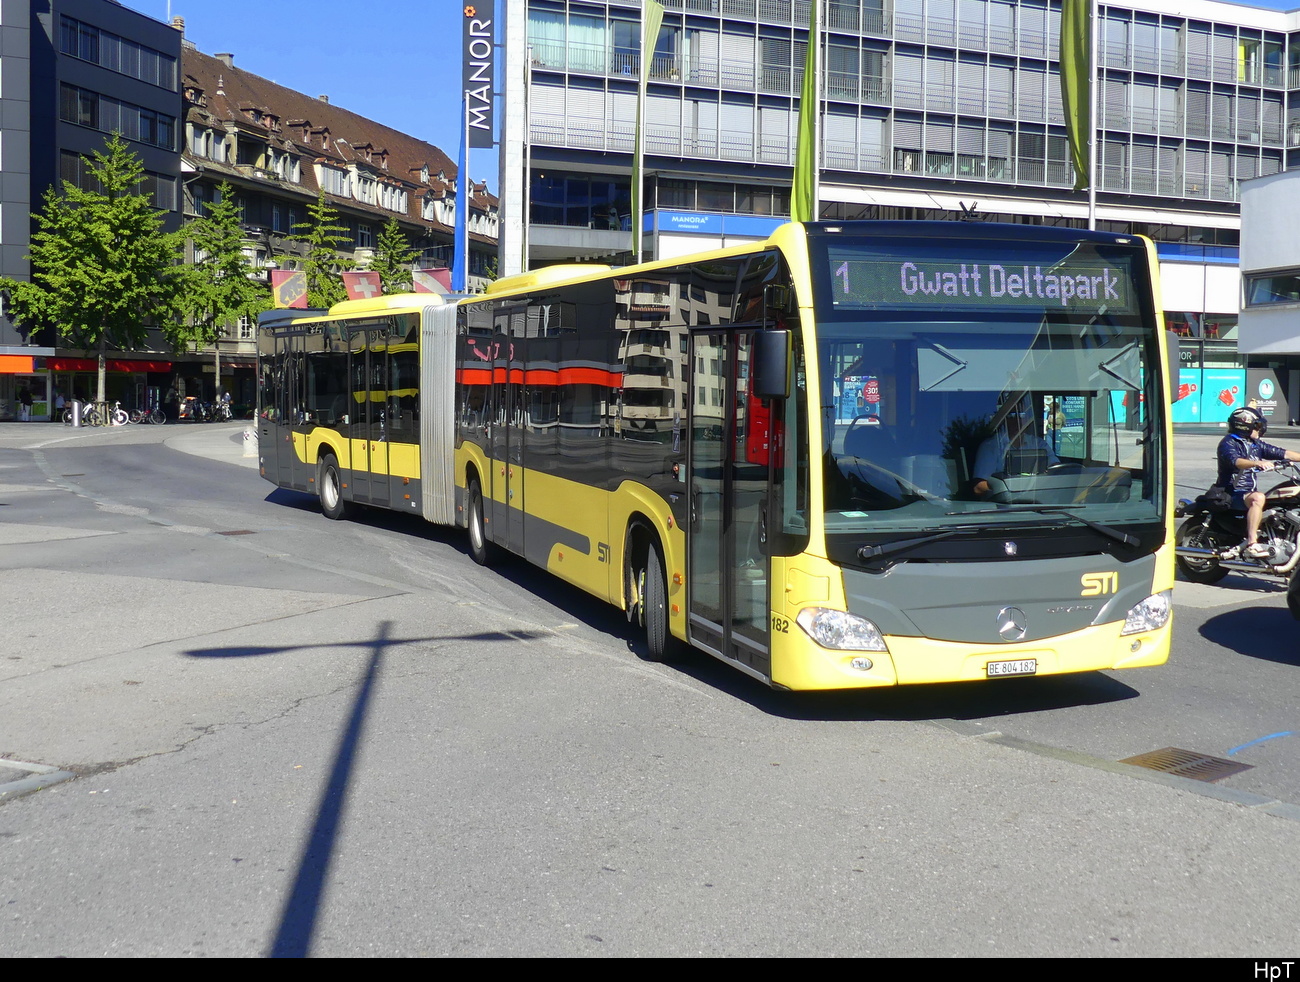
pixel 362 286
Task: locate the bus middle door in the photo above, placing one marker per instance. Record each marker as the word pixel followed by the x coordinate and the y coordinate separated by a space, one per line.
pixel 729 465
pixel 506 508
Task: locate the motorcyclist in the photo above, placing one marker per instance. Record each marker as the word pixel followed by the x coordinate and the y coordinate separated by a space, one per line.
pixel 1241 455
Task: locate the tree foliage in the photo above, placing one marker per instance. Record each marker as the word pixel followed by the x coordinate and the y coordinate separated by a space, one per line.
pixel 323 236
pixel 393 258
pixel 218 291
pixel 103 265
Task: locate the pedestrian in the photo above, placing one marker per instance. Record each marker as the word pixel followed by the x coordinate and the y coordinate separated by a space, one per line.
pixel 24 405
pixel 59 406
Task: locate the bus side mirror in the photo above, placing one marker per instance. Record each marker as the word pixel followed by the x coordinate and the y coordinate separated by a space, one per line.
pixel 770 365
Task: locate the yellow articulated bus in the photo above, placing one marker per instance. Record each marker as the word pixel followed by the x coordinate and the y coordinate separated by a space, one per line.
pixel 851 455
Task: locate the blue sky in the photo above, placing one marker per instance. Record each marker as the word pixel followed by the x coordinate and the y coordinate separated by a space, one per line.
pixel 394 61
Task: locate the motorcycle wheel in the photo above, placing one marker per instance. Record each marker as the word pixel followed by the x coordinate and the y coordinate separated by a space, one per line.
pixel 1195 536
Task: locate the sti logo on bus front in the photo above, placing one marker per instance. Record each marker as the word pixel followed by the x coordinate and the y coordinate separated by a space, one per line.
pixel 1096 584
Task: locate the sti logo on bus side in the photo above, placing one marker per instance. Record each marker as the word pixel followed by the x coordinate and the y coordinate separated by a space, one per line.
pixel 1096 584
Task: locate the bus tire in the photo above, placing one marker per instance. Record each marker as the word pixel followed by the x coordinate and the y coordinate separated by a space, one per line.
pixel 481 550
pixel 654 606
pixel 329 485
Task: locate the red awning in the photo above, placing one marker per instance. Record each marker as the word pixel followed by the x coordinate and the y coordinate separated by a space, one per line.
pixel 111 364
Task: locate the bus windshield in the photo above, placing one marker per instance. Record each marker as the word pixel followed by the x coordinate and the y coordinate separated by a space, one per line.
pixel 963 381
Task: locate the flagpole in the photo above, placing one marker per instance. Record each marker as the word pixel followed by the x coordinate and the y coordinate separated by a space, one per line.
pixel 805 190
pixel 1092 116
pixel 528 159
pixel 638 161
pixel 460 243
pixel 652 18
pixel 819 23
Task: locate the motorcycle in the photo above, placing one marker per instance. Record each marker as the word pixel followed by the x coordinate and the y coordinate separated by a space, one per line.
pixel 1208 543
pixel 195 410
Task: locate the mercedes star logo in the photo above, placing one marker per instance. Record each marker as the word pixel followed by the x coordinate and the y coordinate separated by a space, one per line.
pixel 1012 623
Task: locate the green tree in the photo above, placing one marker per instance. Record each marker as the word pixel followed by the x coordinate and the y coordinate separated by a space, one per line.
pixel 103 265
pixel 323 236
pixel 218 291
pixel 393 258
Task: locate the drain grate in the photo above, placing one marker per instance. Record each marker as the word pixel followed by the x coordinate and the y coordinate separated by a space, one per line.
pixel 238 532
pixel 1186 763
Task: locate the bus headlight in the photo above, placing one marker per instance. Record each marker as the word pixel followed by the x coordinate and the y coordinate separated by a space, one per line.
pixel 1150 614
pixel 839 630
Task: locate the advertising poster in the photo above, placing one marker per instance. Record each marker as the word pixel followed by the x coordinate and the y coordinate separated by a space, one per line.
pixel 1264 386
pixel 859 396
pixel 1222 391
pixel 850 397
pixel 1187 396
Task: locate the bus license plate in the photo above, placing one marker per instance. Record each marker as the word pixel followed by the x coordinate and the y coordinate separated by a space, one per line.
pixel 1026 666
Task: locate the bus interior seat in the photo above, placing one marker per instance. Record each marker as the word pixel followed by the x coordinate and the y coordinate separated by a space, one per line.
pixel 870 441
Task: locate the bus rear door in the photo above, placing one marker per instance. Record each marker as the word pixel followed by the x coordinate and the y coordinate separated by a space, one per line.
pixel 369 390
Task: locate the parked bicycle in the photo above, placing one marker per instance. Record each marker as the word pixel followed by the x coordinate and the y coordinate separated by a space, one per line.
pixel 154 415
pixel 91 415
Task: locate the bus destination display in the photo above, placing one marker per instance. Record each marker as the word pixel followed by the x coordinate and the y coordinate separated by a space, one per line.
pixel 886 283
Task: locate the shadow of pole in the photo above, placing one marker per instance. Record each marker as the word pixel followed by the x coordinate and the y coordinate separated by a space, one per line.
pixel 298 920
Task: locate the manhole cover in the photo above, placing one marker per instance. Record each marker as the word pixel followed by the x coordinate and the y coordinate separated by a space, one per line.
pixel 1187 763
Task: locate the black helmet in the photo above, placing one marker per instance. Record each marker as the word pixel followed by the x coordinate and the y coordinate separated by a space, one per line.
pixel 1245 419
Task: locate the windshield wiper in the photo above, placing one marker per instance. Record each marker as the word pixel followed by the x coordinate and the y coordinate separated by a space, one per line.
pixel 868 553
pixel 1111 533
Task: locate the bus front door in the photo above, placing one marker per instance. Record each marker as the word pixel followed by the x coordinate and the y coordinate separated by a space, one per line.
pixel 729 471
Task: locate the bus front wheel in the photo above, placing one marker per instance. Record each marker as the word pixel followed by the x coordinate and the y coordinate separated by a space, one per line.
pixel 330 487
pixel 652 604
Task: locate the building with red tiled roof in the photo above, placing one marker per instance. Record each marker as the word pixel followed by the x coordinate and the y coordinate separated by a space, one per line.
pixel 279 149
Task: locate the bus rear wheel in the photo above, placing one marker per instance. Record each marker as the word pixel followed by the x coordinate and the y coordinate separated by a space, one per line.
pixel 330 487
pixel 481 550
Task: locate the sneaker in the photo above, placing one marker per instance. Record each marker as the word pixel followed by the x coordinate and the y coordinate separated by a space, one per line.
pixel 1256 550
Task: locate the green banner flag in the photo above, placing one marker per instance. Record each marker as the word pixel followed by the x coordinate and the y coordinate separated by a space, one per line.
pixel 652 17
pixel 803 197
pixel 1076 84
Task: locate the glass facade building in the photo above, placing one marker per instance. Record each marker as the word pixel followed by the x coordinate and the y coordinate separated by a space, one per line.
pixel 932 109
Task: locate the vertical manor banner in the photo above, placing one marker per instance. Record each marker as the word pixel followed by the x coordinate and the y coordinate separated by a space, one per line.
pixel 477 73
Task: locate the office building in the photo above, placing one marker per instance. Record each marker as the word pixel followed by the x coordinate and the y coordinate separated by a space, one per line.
pixel 933 109
pixel 71 73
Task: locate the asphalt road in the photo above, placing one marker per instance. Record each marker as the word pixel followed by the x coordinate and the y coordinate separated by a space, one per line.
pixel 290 736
